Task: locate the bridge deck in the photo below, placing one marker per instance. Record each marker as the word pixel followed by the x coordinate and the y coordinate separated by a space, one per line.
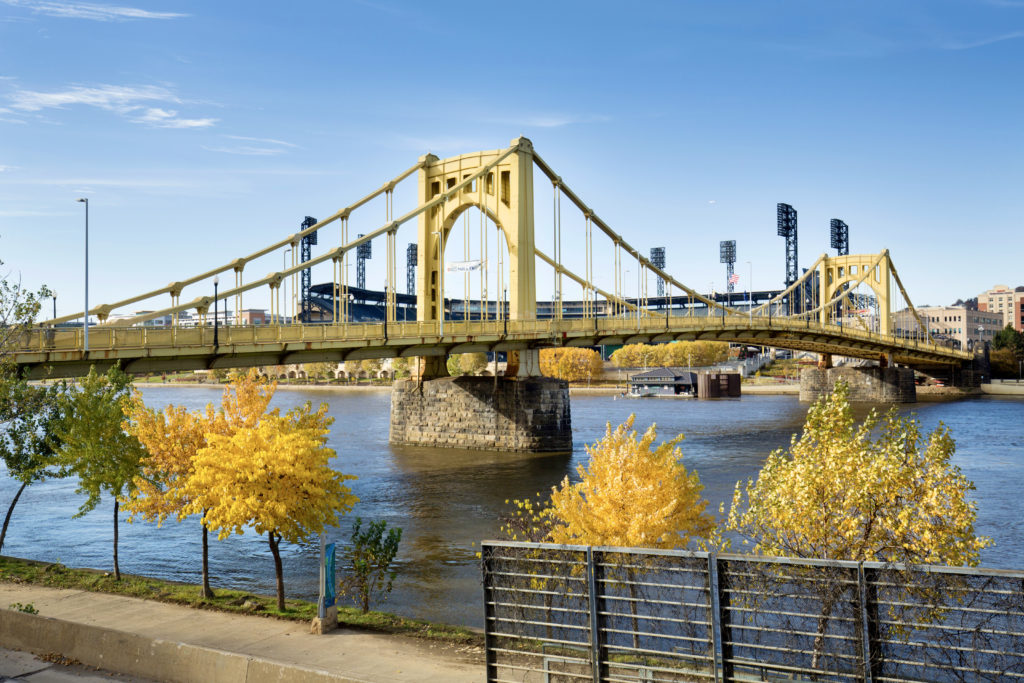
pixel 58 352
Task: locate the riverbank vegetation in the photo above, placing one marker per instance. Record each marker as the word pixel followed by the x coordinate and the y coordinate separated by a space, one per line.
pixel 56 575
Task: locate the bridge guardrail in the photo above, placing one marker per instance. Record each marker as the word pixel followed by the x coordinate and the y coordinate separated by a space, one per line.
pixel 112 338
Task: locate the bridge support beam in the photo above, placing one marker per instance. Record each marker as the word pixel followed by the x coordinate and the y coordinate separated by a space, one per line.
pixel 868 384
pixel 519 415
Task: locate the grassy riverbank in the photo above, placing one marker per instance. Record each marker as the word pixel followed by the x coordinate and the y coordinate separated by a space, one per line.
pixel 56 575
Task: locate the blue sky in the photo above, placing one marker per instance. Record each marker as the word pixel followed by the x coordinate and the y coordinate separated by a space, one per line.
pixel 202 131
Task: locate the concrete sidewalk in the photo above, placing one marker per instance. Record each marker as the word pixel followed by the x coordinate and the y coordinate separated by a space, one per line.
pixel 173 643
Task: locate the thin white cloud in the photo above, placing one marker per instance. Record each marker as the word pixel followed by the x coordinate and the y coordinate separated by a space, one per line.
pixel 168 118
pixel 85 10
pixel 269 141
pixel 983 42
pixel 548 120
pixel 247 150
pixel 128 101
pixel 266 147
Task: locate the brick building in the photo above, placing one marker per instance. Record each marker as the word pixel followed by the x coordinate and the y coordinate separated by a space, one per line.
pixel 1008 303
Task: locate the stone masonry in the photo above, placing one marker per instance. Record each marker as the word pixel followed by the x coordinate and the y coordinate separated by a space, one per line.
pixel 526 415
pixel 871 384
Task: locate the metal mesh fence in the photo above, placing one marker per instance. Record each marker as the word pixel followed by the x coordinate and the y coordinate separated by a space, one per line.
pixel 556 614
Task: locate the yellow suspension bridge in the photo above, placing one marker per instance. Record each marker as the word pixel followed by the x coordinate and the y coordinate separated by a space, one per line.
pixel 854 305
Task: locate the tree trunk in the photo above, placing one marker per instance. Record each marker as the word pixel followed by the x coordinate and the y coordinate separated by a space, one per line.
pixel 10 511
pixel 819 639
pixel 275 548
pixel 117 567
pixel 206 591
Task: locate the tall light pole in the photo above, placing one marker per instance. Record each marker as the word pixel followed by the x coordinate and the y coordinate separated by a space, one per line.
pixel 750 293
pixel 216 281
pixel 54 295
pixel 284 280
pixel 85 200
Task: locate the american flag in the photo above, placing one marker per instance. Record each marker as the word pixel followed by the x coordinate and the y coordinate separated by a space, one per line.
pixel 734 278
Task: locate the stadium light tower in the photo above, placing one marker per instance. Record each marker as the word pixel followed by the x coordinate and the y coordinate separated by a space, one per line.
pixel 364 252
pixel 787 228
pixel 727 255
pixel 840 237
pixel 658 260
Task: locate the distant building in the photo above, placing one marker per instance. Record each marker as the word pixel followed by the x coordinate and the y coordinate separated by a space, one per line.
pixel 1009 303
pixel 965 328
pixel 254 316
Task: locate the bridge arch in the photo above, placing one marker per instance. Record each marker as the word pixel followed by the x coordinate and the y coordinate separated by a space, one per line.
pixel 505 195
pixel 839 272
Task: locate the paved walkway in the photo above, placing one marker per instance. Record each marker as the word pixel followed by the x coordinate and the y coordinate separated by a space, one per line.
pixel 26 668
pixel 356 656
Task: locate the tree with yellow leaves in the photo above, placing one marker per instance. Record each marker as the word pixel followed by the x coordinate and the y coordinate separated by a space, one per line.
pixel 172 438
pixel 842 493
pixel 631 494
pixel 274 476
pixel 571 364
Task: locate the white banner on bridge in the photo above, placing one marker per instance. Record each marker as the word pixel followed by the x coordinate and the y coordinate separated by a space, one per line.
pixel 463 266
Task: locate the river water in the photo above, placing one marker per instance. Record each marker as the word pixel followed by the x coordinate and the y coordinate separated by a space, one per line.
pixel 446 502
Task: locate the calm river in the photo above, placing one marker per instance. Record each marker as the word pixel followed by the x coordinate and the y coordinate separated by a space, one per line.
pixel 446 501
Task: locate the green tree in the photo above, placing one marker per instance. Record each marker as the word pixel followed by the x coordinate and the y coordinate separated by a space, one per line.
pixel 472 363
pixel 1009 338
pixel 369 559
pixel 18 310
pixel 400 366
pixel 93 443
pixel 27 440
pixel 454 365
pixel 319 370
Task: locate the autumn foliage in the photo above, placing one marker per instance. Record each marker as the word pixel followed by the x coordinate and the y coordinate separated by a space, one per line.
pixel 268 471
pixel 675 354
pixel 571 364
pixel 841 492
pixel 631 494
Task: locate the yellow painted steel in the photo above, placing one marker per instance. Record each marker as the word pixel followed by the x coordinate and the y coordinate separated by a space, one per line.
pixel 499 184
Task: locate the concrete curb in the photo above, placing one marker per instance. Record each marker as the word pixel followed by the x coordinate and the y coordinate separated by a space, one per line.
pixel 135 655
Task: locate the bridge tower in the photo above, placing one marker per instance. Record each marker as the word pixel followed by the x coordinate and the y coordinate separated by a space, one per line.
pixel 505 195
pixel 842 272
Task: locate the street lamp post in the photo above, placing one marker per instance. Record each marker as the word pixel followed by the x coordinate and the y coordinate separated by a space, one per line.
pixel 750 293
pixel 54 295
pixel 85 200
pixel 216 281
pixel 284 280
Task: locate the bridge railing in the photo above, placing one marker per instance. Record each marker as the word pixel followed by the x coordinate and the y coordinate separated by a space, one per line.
pixel 567 612
pixel 115 338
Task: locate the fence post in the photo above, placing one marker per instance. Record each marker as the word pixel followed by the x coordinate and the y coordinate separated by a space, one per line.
pixel 720 641
pixel 868 622
pixel 597 668
pixel 491 657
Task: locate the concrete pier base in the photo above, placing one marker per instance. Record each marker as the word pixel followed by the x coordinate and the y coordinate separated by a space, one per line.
pixel 869 384
pixel 525 415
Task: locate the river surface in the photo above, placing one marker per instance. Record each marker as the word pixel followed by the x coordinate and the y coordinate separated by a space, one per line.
pixel 446 502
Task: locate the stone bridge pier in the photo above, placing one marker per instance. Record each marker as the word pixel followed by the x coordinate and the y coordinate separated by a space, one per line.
pixel 518 412
pixel 870 384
